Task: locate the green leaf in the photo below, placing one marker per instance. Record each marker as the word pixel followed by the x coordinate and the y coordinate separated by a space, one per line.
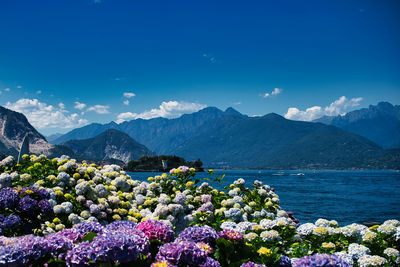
pixel 89 237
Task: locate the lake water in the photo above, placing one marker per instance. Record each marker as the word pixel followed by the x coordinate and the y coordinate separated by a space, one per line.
pixel 345 196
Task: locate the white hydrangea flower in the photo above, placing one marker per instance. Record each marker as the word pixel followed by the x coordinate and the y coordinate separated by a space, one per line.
pixel 268 224
pixel 306 229
pixel 250 236
pixel 5 180
pixel 356 250
pixel 239 181
pixel 270 235
pixel 6 161
pixel 387 228
pixel 369 261
pixel 58 209
pixel 67 206
pixel 391 252
pixel 322 223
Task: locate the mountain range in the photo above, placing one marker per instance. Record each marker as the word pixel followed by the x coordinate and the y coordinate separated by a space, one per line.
pixel 110 144
pixel 380 123
pixel 231 139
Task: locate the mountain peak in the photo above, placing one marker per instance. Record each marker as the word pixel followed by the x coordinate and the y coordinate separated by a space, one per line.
pixel 232 111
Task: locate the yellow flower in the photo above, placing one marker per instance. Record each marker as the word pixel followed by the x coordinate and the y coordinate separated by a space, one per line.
pixel 328 245
pixel 192 169
pixel 25 157
pixel 320 231
pixel 28 191
pixel 54 160
pixel 60 227
pixel 147 203
pixel 189 184
pixel 116 217
pixel 37 165
pixel 264 251
pixel 137 215
pixel 56 220
pixel 62 169
pixel 150 179
pixel 257 227
pixel 160 264
pixel 76 176
pixel 68 196
pixel 374 227
pixel 59 193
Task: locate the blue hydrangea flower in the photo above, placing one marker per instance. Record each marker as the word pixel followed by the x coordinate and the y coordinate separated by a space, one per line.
pixel 11 221
pixel 328 260
pixel 197 234
pixel 8 198
pixel 27 205
pixel 182 253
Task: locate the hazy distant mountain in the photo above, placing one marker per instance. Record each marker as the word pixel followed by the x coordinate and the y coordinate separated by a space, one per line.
pixel 230 139
pixel 272 141
pixel 52 137
pixel 160 135
pixel 111 144
pixel 380 123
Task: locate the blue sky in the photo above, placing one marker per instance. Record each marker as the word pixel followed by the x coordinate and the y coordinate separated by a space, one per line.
pixel 66 63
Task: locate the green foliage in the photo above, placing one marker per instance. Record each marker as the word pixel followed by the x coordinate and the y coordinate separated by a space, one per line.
pixel 154 163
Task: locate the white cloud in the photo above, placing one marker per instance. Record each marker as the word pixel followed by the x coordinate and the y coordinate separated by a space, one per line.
pixel 170 109
pixel 126 102
pixel 61 106
pixel 39 92
pixel 99 109
pixel 276 91
pixel 42 115
pixel 19 86
pixel 7 89
pixel 338 107
pixel 79 106
pixel 129 94
pixel 210 58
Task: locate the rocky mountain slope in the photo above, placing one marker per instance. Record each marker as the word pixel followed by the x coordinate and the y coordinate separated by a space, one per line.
pixel 111 144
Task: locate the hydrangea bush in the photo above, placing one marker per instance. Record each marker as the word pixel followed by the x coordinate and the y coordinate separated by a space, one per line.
pixel 60 212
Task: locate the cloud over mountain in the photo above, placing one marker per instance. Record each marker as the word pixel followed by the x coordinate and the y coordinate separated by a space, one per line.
pixel 338 107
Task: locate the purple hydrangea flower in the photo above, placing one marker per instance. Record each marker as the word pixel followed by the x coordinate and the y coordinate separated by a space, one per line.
pixel 230 234
pixel 58 244
pixel 252 264
pixel 210 262
pixel 329 260
pixel 115 226
pixel 45 207
pixel 18 251
pixel 84 228
pixel 81 255
pixel 182 253
pixel 27 205
pixel 70 234
pixel 118 246
pixel 11 221
pixel 8 198
pixel 206 198
pixel 198 234
pixel 285 261
pixel 156 230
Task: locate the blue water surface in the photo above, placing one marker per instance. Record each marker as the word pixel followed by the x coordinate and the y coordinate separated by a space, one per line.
pixel 345 196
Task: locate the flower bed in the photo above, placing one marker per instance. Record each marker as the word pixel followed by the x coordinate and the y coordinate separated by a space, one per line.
pixel 58 211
